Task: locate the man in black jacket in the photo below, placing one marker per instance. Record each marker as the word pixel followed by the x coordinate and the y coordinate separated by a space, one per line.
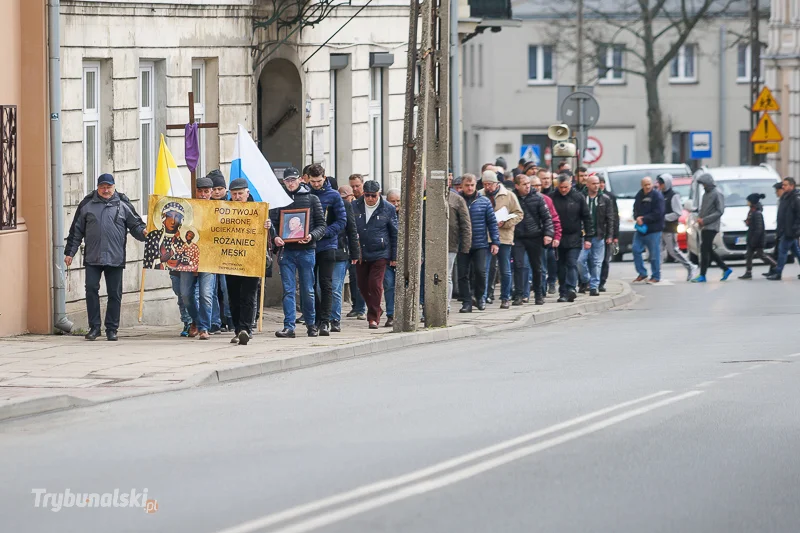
pixel 348 253
pixel 614 236
pixel 600 230
pixel 530 234
pixel 788 226
pixel 298 255
pixel 575 218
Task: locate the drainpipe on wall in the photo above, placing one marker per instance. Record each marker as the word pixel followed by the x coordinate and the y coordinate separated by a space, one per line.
pixel 455 92
pixel 722 96
pixel 60 320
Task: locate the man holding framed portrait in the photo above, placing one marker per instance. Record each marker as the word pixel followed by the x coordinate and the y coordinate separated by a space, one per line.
pixel 300 225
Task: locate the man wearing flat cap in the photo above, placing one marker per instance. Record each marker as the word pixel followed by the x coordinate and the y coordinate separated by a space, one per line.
pixel 103 223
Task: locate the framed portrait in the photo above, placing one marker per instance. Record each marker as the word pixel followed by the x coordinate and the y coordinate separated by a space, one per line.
pixel 294 224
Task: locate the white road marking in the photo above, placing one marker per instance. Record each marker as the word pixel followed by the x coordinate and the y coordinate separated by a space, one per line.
pixel 474 470
pixel 754 367
pixel 731 375
pixel 367 490
pixel 705 383
pixel 794 355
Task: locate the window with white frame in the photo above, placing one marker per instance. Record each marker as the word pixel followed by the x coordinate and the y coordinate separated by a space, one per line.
pixel 540 65
pixel 610 57
pixel 683 68
pixel 91 123
pixel 199 90
pixel 147 142
pixel 744 59
pixel 376 124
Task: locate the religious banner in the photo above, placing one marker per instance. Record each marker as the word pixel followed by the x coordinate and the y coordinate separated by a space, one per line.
pixel 188 235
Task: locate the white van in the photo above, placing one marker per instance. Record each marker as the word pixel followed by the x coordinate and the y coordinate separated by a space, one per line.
pixel 624 182
pixel 736 184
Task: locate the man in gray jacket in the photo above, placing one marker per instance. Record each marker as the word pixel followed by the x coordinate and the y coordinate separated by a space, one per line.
pixel 103 223
pixel 672 213
pixel 709 221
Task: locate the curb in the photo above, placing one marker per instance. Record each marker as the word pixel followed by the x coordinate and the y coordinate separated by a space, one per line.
pixel 393 342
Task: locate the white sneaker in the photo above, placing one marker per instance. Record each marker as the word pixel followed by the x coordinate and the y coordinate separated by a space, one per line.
pixel 691 273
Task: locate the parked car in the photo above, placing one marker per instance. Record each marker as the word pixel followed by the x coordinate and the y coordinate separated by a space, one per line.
pixel 625 181
pixel 735 183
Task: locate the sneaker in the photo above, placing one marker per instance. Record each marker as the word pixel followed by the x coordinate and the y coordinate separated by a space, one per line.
pixel 336 326
pixel 244 338
pixel 481 306
pixel 726 274
pixel 774 277
pixel 505 304
pixel 186 326
pixel 640 279
pixel 691 272
pixel 490 300
pixel 562 299
pixel 215 330
pixel 285 333
pixel 594 292
pixel 352 314
pixel 602 288
pixel 204 336
pixel 699 279
pixel 361 316
pixel 746 275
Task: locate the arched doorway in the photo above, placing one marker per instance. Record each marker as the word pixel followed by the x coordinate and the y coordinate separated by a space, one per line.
pixel 280 113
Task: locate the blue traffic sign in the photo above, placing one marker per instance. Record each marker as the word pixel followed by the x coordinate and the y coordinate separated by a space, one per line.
pixel 700 144
pixel 531 152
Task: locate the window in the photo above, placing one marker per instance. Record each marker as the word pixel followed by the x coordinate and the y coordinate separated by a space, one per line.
pixel 463 52
pixel 91 123
pixel 146 129
pixel 376 124
pixel 199 90
pixel 683 68
pixel 610 57
pixel 743 64
pixel 480 65
pixel 472 65
pixel 540 65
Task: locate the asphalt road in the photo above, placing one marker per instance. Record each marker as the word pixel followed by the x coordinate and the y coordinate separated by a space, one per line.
pixel 677 413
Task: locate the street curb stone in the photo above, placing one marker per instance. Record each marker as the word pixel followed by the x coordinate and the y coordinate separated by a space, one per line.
pixel 60 402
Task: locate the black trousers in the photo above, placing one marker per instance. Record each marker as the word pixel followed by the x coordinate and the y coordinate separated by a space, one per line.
pixel 492 276
pixel 758 252
pixel 707 253
pixel 606 265
pixel 113 288
pixel 471 263
pixel 532 247
pixel 323 272
pixel 242 292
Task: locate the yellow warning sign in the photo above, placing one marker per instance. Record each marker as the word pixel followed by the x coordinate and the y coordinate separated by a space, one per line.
pixel 766 148
pixel 766 131
pixel 766 102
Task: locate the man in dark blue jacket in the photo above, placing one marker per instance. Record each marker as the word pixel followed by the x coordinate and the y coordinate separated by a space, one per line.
pixel 336 220
pixel 648 212
pixel 484 227
pixel 376 221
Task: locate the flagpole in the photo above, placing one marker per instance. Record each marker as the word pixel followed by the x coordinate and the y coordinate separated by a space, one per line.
pixel 263 277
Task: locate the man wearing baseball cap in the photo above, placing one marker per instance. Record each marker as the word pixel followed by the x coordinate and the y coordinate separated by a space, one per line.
pixel 103 223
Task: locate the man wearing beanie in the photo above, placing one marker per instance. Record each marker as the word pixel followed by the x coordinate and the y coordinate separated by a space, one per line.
pixel 103 223
pixel 221 307
pixel 297 259
pixel 756 235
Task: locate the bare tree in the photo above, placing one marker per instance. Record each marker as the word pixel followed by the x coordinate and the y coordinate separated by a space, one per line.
pixel 652 33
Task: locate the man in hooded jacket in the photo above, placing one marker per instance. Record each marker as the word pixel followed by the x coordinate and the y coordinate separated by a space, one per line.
pixel 672 212
pixel 709 221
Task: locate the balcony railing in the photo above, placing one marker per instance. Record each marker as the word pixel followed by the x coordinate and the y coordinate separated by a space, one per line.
pixel 490 9
pixel 8 167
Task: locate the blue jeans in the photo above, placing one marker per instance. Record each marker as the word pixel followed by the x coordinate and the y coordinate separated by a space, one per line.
pixel 199 303
pixel 590 263
pixel 567 269
pixel 552 265
pixel 651 241
pixel 388 289
pixel 784 247
pixel 339 272
pixel 504 266
pixel 526 276
pixel 359 305
pixel 176 288
pixel 300 262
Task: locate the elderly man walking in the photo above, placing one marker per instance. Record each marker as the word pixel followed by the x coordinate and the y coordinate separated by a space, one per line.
pixel 474 262
pixel 648 212
pixel 709 221
pixel 104 222
pixel 393 197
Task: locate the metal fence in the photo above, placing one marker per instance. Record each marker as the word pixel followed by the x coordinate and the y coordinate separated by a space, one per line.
pixel 8 167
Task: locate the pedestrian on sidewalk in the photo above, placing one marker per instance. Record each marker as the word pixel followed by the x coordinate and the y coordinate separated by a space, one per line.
pixel 648 212
pixel 574 215
pixel 756 235
pixel 610 250
pixel 600 230
pixel 534 231
pixel 673 207
pixel 376 220
pixel 709 221
pixel 485 240
pixel 186 318
pixel 325 262
pixel 347 255
pixel 459 234
pixel 393 197
pixel 103 222
pixel 221 315
pixel 194 284
pixel 359 310
pixel 501 198
pixel 298 258
pixel 549 263
pixel 788 226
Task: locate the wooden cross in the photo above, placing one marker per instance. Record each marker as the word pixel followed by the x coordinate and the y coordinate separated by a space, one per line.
pixel 203 125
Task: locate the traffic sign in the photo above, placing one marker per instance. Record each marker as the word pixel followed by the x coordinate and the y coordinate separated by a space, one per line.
pixel 593 152
pixel 530 152
pixel 580 107
pixel 766 102
pixel 700 144
pixel 766 131
pixel 767 148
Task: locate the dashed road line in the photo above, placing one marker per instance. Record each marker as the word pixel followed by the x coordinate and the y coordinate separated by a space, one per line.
pixel 731 375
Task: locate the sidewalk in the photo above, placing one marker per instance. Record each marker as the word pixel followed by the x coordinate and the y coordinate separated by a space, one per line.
pixel 43 373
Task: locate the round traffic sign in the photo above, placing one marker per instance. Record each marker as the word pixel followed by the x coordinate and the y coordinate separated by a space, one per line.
pixel 593 151
pixel 575 115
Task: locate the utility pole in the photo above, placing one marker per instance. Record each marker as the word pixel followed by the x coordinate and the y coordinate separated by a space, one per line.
pixel 755 72
pixel 579 83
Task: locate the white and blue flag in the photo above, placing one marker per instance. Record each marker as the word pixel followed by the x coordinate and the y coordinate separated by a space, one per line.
pixel 249 163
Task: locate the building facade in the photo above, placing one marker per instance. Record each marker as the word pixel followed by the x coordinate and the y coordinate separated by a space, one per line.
pixel 511 83
pixel 782 59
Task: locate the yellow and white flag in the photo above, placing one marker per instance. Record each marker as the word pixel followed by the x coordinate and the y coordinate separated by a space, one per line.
pixel 169 181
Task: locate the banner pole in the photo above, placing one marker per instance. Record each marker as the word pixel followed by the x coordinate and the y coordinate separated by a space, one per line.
pixel 141 296
pixel 263 278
